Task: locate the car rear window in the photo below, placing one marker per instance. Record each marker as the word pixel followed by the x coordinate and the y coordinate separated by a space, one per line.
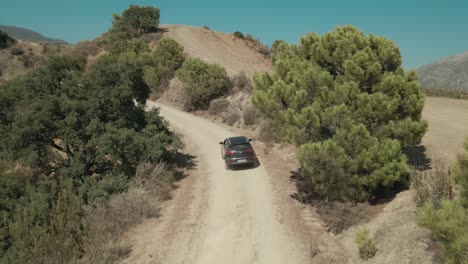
pixel 240 147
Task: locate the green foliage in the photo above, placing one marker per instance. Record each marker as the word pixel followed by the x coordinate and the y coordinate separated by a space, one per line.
pixel 162 63
pixel 203 82
pixel 134 21
pixel 346 101
pixel 46 226
pixel 366 244
pixel 11 190
pixel 239 35
pixel 460 173
pixel 448 224
pixel 143 19
pixel 6 41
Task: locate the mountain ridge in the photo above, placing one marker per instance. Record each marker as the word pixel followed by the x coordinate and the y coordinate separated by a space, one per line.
pixel 29 35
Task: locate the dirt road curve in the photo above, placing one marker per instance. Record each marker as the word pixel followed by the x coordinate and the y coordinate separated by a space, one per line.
pixel 217 215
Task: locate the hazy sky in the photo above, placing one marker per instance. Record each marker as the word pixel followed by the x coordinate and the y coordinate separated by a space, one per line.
pixel 425 30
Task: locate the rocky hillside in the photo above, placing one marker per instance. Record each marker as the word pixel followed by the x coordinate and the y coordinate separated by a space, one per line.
pixel 449 73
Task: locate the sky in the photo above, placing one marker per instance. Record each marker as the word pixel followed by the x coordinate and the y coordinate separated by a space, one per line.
pixel 425 30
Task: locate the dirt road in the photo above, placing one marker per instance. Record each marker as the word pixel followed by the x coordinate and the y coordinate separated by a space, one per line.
pixel 217 215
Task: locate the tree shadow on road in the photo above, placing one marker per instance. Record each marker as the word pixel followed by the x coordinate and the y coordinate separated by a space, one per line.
pixel 183 163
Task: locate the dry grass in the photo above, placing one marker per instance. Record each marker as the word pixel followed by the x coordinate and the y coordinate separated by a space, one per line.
pixel 231 117
pixel 340 216
pixel 241 82
pixel 218 106
pixel 107 222
pixel 434 185
pixel 250 115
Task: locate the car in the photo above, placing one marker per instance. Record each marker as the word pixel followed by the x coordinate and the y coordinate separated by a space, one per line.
pixel 238 151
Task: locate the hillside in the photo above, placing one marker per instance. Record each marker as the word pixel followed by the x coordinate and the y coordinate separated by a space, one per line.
pixel 28 35
pixel 216 47
pixel 447 73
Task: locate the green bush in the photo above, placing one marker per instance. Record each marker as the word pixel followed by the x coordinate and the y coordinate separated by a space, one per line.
pixel 346 102
pixel 366 244
pixel 162 63
pixel 203 82
pixel 460 173
pixel 239 35
pixel 134 22
pixel 448 224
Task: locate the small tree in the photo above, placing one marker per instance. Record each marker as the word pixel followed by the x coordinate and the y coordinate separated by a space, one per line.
pixel 239 35
pixel 203 82
pixel 162 63
pixel 345 100
pixel 143 19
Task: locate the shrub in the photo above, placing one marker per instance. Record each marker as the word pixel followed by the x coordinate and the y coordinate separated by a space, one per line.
pixel 366 245
pixel 86 48
pixel 218 106
pixel 448 224
pixel 264 50
pixel 202 82
pixel 432 185
pixel 28 60
pixel 348 106
pixel 242 82
pixel 207 27
pixel 250 115
pixel 231 117
pixel 16 51
pixel 460 173
pixel 341 216
pixel 238 35
pixel 162 63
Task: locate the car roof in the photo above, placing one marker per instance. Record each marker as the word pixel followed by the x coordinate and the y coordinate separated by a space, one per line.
pixel 238 140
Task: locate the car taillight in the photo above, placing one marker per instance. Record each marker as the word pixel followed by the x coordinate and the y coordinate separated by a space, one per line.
pixel 229 153
pixel 250 151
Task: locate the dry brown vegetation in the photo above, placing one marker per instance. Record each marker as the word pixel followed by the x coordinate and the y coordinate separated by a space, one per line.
pixel 340 216
pixel 108 221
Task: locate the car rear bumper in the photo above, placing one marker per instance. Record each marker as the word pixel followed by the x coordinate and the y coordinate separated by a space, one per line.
pixel 240 161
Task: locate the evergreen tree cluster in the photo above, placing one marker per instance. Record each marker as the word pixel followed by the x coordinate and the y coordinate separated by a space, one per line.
pixel 346 101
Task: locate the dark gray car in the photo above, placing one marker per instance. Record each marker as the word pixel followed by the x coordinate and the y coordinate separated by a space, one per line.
pixel 238 151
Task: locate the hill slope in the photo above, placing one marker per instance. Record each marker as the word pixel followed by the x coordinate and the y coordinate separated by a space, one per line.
pixel 448 73
pixel 28 35
pixel 216 47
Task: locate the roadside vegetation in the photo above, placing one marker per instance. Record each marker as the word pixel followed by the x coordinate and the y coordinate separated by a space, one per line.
pixel 81 161
pixel 345 101
pixel 445 214
pixel 203 82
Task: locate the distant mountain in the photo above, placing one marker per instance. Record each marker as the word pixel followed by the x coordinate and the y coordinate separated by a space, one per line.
pixel 448 73
pixel 28 35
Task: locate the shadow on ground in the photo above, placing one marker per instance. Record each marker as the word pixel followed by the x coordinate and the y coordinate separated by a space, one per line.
pixel 417 157
pixel 183 164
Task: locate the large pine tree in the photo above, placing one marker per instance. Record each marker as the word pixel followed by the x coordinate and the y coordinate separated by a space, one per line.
pixel 345 99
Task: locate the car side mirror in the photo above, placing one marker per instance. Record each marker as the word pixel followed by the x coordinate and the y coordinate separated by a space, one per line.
pixel 221 143
pixel 250 139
